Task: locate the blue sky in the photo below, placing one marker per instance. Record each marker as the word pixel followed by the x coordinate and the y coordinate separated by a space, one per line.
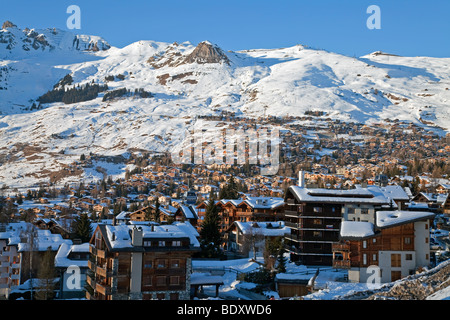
pixel 408 27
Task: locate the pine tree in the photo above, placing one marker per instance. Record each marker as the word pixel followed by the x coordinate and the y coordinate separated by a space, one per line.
pixel 83 227
pixel 210 232
pixel 281 259
pixel 230 190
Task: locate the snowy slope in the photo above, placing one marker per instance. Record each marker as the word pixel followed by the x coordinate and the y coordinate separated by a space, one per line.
pixel 188 80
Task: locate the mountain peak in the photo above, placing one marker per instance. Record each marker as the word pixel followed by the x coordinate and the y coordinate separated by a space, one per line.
pixel 8 24
pixel 206 52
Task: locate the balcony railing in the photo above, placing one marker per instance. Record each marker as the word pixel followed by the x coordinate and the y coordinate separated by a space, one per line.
pixel 341 264
pixel 340 247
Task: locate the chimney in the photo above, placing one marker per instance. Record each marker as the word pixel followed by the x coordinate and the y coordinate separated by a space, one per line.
pixel 301 179
pixel 137 237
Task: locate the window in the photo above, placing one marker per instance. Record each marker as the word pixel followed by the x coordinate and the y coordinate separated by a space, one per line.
pixel 317 221
pixel 374 240
pixel 374 257
pixel 351 210
pixel 317 209
pixel 148 264
pixel 396 260
pixel 364 244
pixel 161 263
pixel 176 243
pixel 317 234
pixel 407 240
pixel 147 243
pixel 147 281
pixel 174 281
pixel 160 281
pixel 408 256
pixel 161 243
pixel 175 263
pixel 364 211
pixel 364 258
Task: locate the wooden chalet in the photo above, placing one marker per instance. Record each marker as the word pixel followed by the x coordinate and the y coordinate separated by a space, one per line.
pixel 398 243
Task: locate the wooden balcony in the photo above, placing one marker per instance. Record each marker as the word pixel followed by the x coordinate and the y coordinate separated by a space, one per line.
pixel 97 252
pixel 341 264
pixel 340 247
pixel 102 289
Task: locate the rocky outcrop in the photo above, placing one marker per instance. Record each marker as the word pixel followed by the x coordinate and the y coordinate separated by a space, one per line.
pixel 8 24
pixel 205 52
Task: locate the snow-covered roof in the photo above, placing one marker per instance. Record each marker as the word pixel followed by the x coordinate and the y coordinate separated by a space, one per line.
pixel 189 212
pixel 358 195
pixel 384 219
pixel 267 229
pixel 356 229
pixel 394 192
pixel 264 202
pixel 390 218
pixel 61 257
pixel 45 239
pixel 119 236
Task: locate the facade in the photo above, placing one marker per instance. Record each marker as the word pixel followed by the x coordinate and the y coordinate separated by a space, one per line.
pixel 71 263
pixel 398 244
pixel 130 262
pixel 314 217
pixel 10 262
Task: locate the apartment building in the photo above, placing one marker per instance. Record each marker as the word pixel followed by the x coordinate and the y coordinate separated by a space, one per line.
pixel 397 243
pixel 141 262
pixel 314 217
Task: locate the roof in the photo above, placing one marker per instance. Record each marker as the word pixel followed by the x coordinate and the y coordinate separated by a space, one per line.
pixel 61 257
pixel 188 211
pixel 359 195
pixel 264 202
pixel 268 229
pixel 394 192
pixel 384 219
pixel 118 237
pixel 356 229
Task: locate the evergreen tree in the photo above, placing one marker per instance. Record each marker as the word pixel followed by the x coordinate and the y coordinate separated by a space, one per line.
pixel 83 227
pixel 230 190
pixel 210 232
pixel 46 275
pixel 157 213
pixel 281 259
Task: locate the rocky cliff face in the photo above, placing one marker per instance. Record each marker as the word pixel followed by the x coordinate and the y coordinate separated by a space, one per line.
pixel 206 52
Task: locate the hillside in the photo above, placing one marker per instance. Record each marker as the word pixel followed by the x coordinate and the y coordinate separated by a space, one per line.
pixel 181 82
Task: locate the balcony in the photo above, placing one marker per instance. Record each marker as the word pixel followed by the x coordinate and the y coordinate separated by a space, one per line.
pixel 102 289
pixel 340 247
pixel 341 264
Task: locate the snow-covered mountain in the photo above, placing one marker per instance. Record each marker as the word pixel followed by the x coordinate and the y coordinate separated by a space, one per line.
pixel 184 81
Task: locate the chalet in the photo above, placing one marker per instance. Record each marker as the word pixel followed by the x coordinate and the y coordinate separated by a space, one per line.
pixel 398 243
pixel 148 213
pixel 443 188
pixel 245 237
pixel 446 206
pixel 187 213
pixel 141 262
pixel 314 217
